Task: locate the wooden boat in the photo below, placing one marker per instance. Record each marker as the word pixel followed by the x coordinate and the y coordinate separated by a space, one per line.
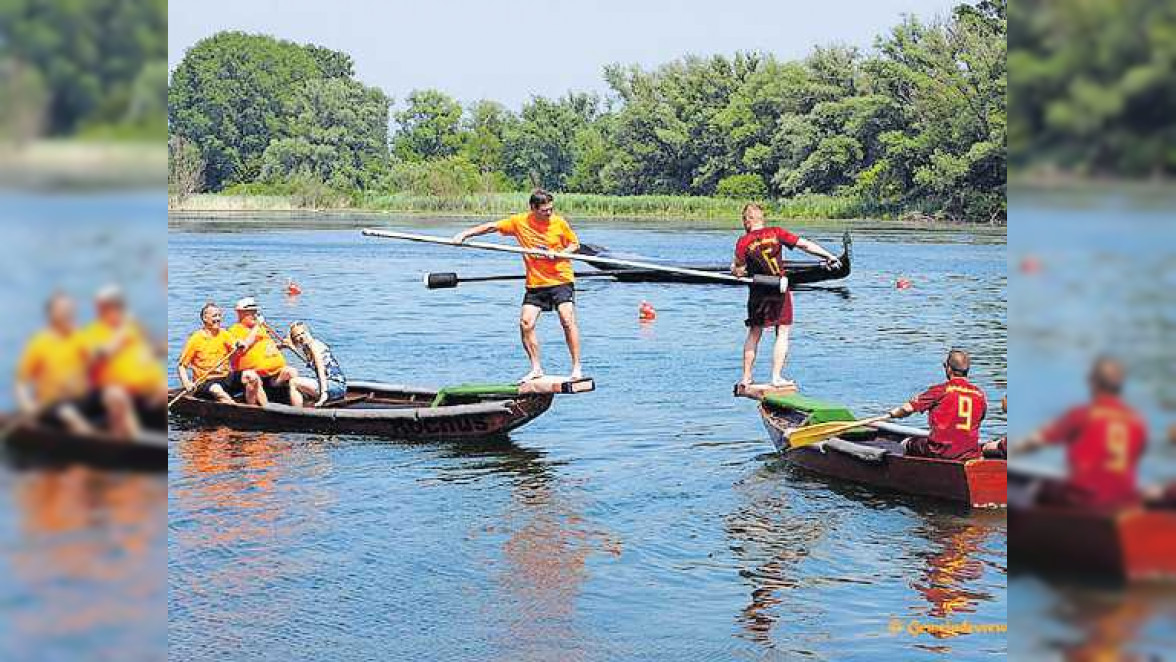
pixel 475 411
pixel 799 273
pixel 39 444
pixel 1136 543
pixel 873 456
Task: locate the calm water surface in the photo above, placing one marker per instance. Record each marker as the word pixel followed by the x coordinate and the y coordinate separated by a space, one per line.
pixel 1105 286
pixel 648 520
pixel 82 552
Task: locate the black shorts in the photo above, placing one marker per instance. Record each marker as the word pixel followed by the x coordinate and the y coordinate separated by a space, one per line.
pixel 769 310
pixel 550 298
pixel 231 383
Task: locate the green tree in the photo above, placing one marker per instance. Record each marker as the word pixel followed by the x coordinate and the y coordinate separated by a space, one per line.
pixel 540 148
pixel 485 129
pixel 229 95
pixel 429 127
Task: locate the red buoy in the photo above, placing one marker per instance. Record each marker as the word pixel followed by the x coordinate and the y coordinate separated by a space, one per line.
pixel 645 311
pixel 903 284
pixel 292 288
pixel 1030 264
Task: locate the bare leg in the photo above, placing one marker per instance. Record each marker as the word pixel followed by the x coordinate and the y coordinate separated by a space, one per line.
pixel 254 393
pixel 73 419
pixel 121 412
pixel 750 347
pixel 780 355
pixel 567 317
pixel 220 394
pixel 307 387
pixel 527 321
pixel 289 376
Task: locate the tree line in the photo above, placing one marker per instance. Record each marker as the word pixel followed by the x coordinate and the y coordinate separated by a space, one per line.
pixel 917 123
pixel 97 68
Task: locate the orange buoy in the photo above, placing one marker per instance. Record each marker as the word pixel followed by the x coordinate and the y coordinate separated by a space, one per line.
pixel 645 311
pixel 903 284
pixel 292 288
pixel 1030 264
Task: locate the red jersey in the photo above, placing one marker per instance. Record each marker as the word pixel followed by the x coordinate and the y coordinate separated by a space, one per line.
pixel 955 408
pixel 1104 442
pixel 762 250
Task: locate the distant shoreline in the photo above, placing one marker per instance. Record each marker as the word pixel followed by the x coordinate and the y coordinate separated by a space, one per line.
pixel 71 164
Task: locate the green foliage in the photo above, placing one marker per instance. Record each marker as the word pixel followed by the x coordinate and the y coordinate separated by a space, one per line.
pixel 1092 86
pixel 540 149
pixel 185 169
pixel 450 176
pixel 747 187
pixel 24 96
pixel 231 95
pixel 429 127
pixel 99 59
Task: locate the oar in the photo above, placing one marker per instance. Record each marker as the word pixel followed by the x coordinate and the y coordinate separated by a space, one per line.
pixel 199 382
pixel 281 341
pixel 449 279
pixel 774 282
pixel 811 434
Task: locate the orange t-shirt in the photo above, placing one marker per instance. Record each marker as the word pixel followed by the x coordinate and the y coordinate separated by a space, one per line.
pixel 554 235
pixel 55 365
pixel 204 352
pixel 264 357
pixel 133 365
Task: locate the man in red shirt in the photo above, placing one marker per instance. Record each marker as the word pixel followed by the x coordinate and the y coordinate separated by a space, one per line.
pixel 760 252
pixel 954 409
pixel 1104 441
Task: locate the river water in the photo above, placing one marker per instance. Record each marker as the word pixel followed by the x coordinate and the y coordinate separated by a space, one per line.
pixel 1102 283
pixel 82 552
pixel 647 520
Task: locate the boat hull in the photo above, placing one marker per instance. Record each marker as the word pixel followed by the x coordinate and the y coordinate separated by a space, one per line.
pixel 40 445
pixel 380 410
pixel 977 483
pixel 1131 544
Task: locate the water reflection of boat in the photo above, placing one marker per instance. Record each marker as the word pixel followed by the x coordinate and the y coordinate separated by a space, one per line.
pixel 874 456
pixel 1126 544
pixel 37 444
pixel 391 411
pixel 950 574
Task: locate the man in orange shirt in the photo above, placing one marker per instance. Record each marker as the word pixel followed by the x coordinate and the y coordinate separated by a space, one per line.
pixel 550 282
pixel 206 353
pixel 259 358
pixel 124 367
pixel 51 374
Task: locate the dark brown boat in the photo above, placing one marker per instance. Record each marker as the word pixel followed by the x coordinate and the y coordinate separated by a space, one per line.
pixel 874 456
pixel 1135 543
pixel 39 444
pixel 392 411
pixel 799 273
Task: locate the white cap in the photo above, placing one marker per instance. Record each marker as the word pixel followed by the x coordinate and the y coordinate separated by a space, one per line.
pixel 109 294
pixel 246 304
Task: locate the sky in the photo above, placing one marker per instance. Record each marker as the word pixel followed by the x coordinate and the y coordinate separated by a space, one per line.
pixel 511 50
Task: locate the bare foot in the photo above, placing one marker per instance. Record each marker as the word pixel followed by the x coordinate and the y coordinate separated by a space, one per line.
pixel 535 373
pixel 780 382
pixel 577 373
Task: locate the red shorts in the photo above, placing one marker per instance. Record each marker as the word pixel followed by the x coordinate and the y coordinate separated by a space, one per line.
pixel 769 310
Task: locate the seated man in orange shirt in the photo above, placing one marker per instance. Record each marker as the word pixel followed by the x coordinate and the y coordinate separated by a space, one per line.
pixel 51 380
pixel 206 353
pixel 1104 441
pixel 259 358
pixel 124 367
pixel 550 282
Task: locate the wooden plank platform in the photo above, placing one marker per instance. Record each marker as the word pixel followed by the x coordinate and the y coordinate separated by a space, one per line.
pixel 556 384
pixel 761 391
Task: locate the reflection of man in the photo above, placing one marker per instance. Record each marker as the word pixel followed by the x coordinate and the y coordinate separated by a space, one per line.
pixel 51 374
pixel 954 409
pixel 1104 441
pixel 550 283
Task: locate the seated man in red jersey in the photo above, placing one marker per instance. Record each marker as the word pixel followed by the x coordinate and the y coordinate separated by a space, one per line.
pixel 1104 441
pixel 954 409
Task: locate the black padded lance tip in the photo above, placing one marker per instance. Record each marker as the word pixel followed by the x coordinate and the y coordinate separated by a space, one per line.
pixel 441 281
pixel 772 282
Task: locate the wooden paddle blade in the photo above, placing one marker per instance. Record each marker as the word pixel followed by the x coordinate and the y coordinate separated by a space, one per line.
pixel 441 281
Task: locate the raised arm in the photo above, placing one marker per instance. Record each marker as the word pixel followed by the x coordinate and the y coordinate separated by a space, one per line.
pixel 813 248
